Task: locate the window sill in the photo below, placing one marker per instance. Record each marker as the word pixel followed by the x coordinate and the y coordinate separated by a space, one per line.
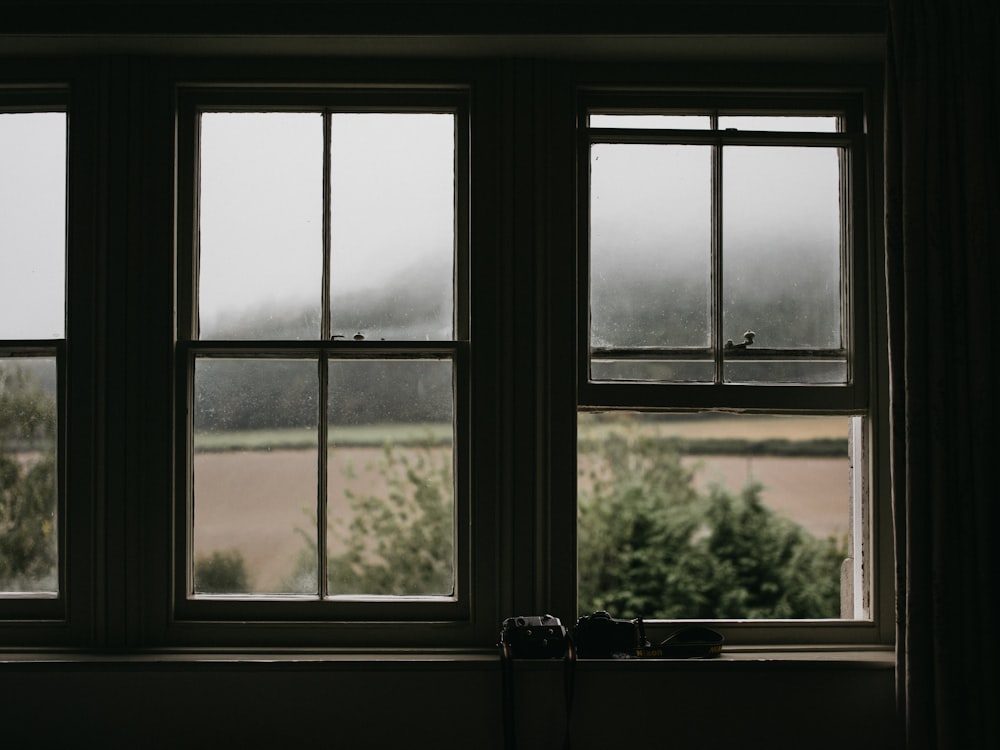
pixel 737 659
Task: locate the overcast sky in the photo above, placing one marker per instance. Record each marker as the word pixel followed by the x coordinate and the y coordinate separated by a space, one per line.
pixel 392 205
pixel 32 225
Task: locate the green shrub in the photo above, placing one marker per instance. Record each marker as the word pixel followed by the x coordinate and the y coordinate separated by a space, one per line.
pixel 648 542
pixel 28 531
pixel 649 545
pixel 397 543
pixel 222 572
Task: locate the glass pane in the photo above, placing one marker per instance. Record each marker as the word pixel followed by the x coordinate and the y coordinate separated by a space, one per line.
pixel 807 124
pixel 825 372
pixel 677 371
pixel 392 225
pixel 28 535
pixel 682 122
pixel 261 225
pixel 650 245
pixel 255 476
pixel 32 225
pixel 782 246
pixel 391 485
pixel 717 516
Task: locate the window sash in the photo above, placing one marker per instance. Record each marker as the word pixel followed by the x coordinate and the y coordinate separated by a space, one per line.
pixel 196 101
pixel 64 618
pixel 852 398
pixel 44 603
pixel 457 607
pixel 625 393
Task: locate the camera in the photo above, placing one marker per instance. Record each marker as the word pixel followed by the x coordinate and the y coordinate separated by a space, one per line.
pixel 533 637
pixel 601 636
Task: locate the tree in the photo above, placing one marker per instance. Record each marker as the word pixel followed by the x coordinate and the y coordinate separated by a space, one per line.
pixel 763 565
pixel 28 540
pixel 649 545
pixel 400 542
pixel 636 523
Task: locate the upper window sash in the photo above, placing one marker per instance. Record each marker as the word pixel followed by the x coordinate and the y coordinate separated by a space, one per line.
pixel 334 110
pixel 701 131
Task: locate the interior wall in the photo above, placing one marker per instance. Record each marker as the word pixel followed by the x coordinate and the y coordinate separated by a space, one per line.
pixel 56 702
pixel 451 705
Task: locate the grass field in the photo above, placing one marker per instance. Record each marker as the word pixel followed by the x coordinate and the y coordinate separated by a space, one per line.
pixel 253 489
pixel 591 428
pixel 300 439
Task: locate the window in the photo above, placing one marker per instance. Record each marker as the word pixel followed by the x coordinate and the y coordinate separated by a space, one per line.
pixel 373 354
pixel 323 354
pixel 49 314
pixel 32 346
pixel 725 422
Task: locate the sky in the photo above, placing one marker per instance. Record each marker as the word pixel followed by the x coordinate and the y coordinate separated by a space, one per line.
pixel 392 205
pixel 32 225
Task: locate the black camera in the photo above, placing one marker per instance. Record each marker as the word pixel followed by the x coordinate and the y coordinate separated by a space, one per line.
pixel 601 636
pixel 533 637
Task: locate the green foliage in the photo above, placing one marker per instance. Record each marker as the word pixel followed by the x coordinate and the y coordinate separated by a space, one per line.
pixel 27 412
pixel 290 438
pixel 635 528
pixel 28 539
pixel 810 448
pixel 222 572
pixel 397 543
pixel 649 545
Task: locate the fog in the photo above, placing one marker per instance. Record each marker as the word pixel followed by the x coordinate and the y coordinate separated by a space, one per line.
pixel 391 226
pixel 32 225
pixel 391 213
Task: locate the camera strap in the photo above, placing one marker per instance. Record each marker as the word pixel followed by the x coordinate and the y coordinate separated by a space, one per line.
pixel 507 676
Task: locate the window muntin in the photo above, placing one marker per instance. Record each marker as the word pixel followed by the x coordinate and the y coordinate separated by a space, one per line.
pixel 688 245
pixel 32 348
pixel 352 363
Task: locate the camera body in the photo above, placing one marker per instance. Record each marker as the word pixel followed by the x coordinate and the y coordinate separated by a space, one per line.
pixel 533 637
pixel 601 636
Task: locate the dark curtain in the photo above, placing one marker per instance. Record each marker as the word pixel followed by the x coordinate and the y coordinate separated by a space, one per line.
pixel 943 239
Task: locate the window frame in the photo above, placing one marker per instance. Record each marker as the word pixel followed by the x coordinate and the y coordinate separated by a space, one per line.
pixel 65 618
pixel 401 622
pixel 856 90
pixel 124 228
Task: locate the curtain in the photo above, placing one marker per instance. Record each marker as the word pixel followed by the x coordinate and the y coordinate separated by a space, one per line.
pixel 942 247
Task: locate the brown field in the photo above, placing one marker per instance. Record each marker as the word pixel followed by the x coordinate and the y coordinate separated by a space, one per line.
pixel 254 500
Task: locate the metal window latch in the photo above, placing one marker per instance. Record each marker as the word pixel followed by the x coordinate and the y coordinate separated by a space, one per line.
pixel 748 338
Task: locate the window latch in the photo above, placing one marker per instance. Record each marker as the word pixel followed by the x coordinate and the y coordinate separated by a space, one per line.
pixel 748 338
